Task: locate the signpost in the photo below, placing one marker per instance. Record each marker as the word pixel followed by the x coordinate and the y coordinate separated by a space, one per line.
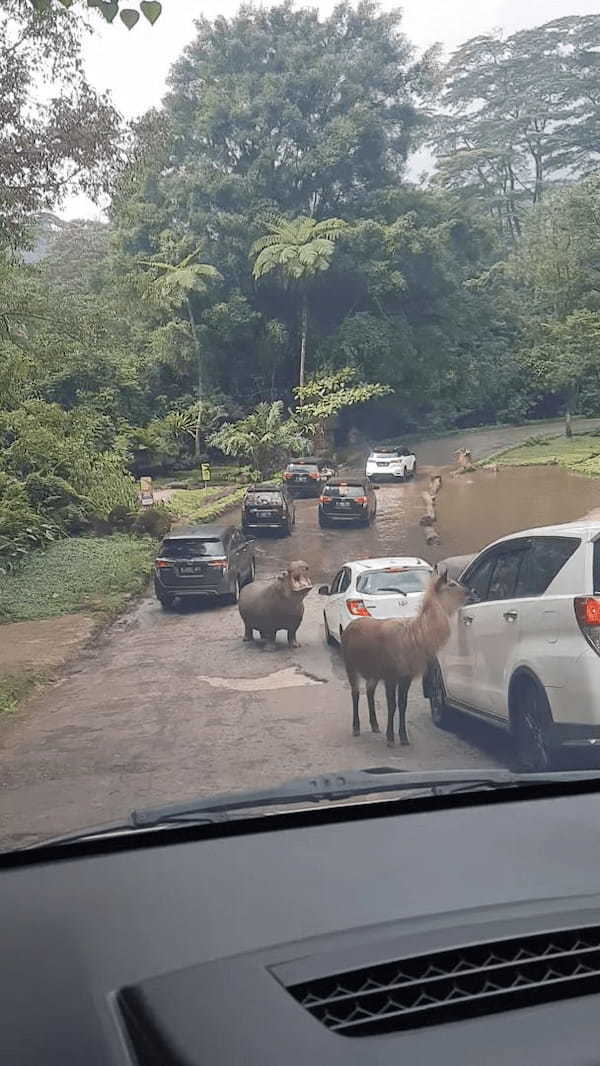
pixel 146 492
pixel 205 473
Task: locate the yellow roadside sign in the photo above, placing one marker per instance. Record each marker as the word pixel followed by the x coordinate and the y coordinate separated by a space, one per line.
pixel 146 492
pixel 205 471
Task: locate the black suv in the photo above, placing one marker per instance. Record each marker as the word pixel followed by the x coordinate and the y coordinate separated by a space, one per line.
pixel 268 507
pixel 347 499
pixel 304 477
pixel 203 561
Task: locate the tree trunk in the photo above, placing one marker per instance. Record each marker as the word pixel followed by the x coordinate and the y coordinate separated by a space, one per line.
pixel 569 404
pixel 197 435
pixel 303 332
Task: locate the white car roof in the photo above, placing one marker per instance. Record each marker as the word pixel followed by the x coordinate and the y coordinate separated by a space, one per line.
pixel 586 528
pixel 361 565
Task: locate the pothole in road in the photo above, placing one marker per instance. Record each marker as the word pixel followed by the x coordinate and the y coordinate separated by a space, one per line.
pixel 291 677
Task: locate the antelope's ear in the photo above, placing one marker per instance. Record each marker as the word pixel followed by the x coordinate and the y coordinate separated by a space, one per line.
pixel 441 580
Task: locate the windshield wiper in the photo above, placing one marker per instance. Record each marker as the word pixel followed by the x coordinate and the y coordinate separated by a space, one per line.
pixel 340 785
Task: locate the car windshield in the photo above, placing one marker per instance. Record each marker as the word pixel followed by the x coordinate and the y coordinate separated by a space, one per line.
pixel 393 579
pixel 353 491
pixel 245 255
pixel 270 496
pixel 191 547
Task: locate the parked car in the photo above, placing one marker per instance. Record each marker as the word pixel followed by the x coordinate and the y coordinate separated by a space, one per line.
pixel 268 506
pixel 204 561
pixel 303 477
pixel 347 499
pixel 398 463
pixel 524 651
pixel 382 588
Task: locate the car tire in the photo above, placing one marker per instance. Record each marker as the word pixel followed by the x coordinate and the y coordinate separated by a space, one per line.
pixel 341 632
pixel 530 725
pixel 166 599
pixel 441 713
pixel 233 596
pixel 251 572
pixel 323 522
pixel 329 637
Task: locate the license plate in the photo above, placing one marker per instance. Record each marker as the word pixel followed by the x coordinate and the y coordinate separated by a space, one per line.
pixel 383 464
pixel 192 568
pixel 303 477
pixel 345 503
pixel 264 514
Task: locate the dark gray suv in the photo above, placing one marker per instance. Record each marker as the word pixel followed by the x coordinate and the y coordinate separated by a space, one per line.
pixel 204 561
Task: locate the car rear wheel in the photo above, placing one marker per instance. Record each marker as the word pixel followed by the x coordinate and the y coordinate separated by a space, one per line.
pixel 531 721
pixel 441 713
pixel 166 599
pixel 252 571
pixel 323 522
pixel 329 637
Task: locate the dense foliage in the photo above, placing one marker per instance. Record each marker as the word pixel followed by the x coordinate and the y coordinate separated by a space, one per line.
pixel 264 229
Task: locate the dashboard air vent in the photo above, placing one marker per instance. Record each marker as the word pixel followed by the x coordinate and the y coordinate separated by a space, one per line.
pixel 456 984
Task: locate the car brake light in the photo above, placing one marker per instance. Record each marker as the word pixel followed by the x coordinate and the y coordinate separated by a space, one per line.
pixel 314 476
pixel 287 474
pixel 326 499
pixel 587 613
pixel 361 499
pixel 357 607
pixel 219 562
pixel 161 563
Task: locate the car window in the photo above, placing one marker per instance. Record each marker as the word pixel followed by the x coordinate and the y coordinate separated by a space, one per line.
pixel 344 580
pixel 504 575
pixel 235 540
pixel 267 497
pixel 597 567
pixel 335 584
pixel 192 548
pixel 477 579
pixel 344 490
pixel 303 468
pixel 545 558
pixel 393 580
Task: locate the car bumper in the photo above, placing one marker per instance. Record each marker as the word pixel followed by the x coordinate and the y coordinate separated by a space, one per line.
pixel 334 516
pixel 215 587
pixel 280 523
pixel 399 475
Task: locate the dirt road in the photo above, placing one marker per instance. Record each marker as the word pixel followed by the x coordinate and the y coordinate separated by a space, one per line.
pixel 169 705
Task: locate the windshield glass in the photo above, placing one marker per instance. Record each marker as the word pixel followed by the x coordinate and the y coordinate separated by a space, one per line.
pixel 344 490
pixel 393 580
pixel 193 548
pixel 265 247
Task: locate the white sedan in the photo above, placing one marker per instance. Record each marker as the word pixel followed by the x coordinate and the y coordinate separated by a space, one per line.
pixel 379 588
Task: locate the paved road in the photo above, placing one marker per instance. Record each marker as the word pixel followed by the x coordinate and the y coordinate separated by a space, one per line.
pixel 169 705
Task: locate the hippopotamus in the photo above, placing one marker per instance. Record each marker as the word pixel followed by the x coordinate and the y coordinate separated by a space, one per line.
pixel 279 604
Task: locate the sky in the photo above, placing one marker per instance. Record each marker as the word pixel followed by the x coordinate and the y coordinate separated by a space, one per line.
pixel 134 65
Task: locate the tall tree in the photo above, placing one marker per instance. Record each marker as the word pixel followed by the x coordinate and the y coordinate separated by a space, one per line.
pixel 520 113
pixel 48 147
pixel 297 250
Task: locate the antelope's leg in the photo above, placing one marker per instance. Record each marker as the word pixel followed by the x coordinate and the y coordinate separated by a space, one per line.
pixel 371 686
pixel 390 692
pixel 403 687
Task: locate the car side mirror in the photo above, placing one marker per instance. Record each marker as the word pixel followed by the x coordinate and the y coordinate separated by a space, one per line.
pixel 323 590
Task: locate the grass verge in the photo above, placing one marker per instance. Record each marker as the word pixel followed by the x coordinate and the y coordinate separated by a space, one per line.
pixel 14 688
pixel 78 574
pixel 580 453
pixel 195 506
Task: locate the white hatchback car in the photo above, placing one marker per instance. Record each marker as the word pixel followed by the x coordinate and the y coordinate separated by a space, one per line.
pixel 400 464
pixel 381 588
pixel 524 651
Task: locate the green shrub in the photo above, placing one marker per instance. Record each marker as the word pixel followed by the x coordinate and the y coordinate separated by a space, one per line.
pixel 21 528
pixel 153 521
pixel 59 501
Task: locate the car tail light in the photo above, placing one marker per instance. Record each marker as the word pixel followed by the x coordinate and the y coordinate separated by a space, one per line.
pixel 357 607
pixel 587 613
pixel 360 499
pixel 162 563
pixel 314 476
pixel 222 563
pixel 326 499
pixel 287 475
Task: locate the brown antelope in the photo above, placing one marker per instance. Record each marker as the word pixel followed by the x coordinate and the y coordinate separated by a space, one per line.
pixel 395 651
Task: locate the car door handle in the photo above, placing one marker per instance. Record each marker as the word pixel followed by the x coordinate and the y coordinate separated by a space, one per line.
pixel 510 616
pixel 467 619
